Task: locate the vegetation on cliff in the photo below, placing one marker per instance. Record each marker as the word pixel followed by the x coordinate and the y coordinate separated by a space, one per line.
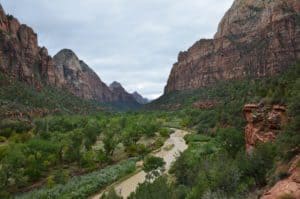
pixel 216 164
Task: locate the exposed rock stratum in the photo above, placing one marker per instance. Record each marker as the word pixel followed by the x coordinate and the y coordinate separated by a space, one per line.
pixel 256 38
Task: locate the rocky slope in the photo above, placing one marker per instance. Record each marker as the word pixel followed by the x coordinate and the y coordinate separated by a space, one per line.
pixel 254 39
pixel 80 79
pixel 264 123
pixel 139 98
pixel 288 187
pixel 22 59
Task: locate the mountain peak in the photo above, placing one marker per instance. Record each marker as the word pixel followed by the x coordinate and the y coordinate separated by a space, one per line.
pixel 67 53
pixel 115 84
pixel 139 98
pixel 247 44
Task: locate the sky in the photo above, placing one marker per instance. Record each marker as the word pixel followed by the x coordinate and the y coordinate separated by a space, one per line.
pixel 134 42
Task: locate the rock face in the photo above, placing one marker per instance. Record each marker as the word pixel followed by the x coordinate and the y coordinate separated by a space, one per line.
pixel 80 79
pixel 204 104
pixel 120 94
pixel 289 187
pixel 139 98
pixel 254 39
pixel 22 58
pixel 263 123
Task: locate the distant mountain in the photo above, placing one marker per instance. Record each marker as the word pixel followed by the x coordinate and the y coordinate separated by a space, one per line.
pixel 139 98
pixel 120 93
pixel 22 59
pixel 80 79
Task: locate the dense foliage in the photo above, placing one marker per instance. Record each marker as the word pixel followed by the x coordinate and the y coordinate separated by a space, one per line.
pixel 216 164
pixel 50 151
pixel 38 151
pixel 20 97
pixel 82 187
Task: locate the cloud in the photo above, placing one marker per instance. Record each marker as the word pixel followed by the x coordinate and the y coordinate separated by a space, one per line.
pixel 132 41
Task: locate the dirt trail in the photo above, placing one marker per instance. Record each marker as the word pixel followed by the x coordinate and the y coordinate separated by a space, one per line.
pixel 169 154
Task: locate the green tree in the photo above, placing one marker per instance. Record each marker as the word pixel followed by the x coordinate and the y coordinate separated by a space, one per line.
pixel 153 166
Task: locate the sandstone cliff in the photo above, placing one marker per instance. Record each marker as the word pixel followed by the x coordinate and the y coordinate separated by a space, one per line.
pixel 288 187
pixel 263 123
pixel 22 58
pixel 256 38
pixel 80 79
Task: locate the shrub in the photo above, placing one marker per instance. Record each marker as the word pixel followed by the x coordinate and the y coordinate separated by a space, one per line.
pixel 81 187
pixel 137 150
pixel 2 139
pixel 232 140
pixel 164 132
pixel 196 138
pixel 258 164
pixel 111 195
pixel 159 189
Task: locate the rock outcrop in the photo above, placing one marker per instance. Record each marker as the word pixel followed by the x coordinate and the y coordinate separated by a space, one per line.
pixel 263 123
pixel 254 39
pixel 139 98
pixel 22 58
pixel 80 79
pixel 205 104
pixel 288 187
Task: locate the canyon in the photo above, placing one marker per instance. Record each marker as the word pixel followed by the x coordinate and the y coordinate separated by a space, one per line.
pixel 22 59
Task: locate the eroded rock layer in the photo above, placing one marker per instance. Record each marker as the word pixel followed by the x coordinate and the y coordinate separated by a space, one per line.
pixel 22 59
pixel 263 123
pixel 256 38
pixel 80 79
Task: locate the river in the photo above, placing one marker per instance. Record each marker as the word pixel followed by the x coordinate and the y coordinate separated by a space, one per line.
pixel 171 149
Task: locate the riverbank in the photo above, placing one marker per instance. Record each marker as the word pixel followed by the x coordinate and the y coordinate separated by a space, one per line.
pixel 171 149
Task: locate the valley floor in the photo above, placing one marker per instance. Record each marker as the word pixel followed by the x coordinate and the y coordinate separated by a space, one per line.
pixel 169 152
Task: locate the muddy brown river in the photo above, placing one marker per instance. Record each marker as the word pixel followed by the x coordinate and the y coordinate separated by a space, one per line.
pixel 171 149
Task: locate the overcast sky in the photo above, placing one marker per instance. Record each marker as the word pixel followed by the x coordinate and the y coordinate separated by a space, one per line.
pixel 134 42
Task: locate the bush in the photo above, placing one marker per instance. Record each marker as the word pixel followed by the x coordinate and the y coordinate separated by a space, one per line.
pixel 111 195
pixel 137 150
pixel 232 140
pixel 8 127
pixel 164 132
pixel 196 138
pixel 2 139
pixel 81 187
pixel 259 163
pixel 159 189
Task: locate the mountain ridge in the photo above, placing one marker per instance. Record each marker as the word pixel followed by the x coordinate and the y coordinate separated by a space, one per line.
pixel 24 60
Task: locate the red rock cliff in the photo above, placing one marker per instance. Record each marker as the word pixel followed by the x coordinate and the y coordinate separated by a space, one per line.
pixel 255 38
pixel 21 57
pixel 263 123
